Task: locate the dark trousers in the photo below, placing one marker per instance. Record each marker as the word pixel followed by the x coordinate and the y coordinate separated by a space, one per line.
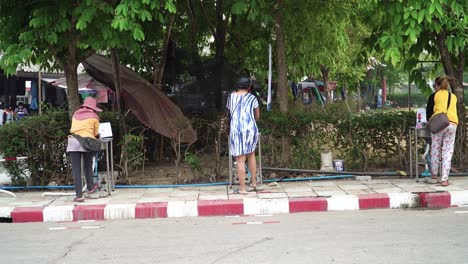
pixel 76 170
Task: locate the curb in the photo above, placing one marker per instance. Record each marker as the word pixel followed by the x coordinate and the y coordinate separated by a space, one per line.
pixel 247 206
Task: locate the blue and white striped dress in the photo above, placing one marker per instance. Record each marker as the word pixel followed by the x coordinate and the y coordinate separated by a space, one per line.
pixel 243 134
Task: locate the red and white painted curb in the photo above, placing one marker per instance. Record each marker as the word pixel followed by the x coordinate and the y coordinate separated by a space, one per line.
pixel 248 206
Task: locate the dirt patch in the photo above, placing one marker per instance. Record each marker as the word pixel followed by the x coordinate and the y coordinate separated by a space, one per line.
pixel 165 172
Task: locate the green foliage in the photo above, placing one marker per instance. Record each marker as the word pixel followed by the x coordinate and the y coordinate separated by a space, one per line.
pixel 401 100
pixel 134 149
pixel 194 162
pixel 43 140
pixel 373 139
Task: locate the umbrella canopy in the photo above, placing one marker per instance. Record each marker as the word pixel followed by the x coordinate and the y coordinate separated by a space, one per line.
pixel 149 104
pixel 87 84
pixel 84 81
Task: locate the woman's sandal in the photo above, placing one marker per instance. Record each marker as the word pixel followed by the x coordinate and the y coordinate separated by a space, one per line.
pixel 237 191
pixel 93 190
pixel 444 183
pixel 255 188
pixel 78 199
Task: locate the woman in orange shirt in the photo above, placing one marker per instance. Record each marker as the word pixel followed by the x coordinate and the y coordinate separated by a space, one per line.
pixel 85 123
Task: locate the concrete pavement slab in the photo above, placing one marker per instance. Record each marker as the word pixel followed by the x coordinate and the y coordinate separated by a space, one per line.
pixel 447 188
pixel 291 187
pixel 360 191
pixel 213 188
pixel 320 183
pixel 271 195
pixel 123 200
pixel 158 190
pixel 390 190
pixel 417 189
pixel 330 193
pixel 327 188
pixel 380 185
pixel 187 193
pixel 377 181
pixel 153 199
pixel 353 187
pixel 301 194
pixel 213 197
pixel 184 197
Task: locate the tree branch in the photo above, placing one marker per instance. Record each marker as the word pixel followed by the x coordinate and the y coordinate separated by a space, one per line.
pixel 210 24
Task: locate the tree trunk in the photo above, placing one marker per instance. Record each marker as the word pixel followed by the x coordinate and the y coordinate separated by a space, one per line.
pixel 116 76
pixel 160 70
pixel 282 81
pixel 324 70
pixel 70 66
pixel 220 41
pixel 453 67
pixel 194 56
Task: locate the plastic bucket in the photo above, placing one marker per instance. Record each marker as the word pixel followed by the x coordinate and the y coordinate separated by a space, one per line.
pixel 338 165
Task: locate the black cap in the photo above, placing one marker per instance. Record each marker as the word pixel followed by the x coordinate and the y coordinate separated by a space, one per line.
pixel 244 83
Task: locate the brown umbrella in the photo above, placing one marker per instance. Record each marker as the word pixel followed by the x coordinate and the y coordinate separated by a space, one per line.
pixel 149 104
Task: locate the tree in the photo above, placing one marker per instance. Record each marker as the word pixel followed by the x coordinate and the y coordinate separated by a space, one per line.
pixel 433 29
pixel 61 34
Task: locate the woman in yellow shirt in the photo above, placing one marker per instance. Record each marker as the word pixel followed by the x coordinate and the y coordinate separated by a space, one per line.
pixel 85 123
pixel 443 142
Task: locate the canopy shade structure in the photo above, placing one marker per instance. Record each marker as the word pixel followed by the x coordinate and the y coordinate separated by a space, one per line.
pixel 149 104
pixel 87 84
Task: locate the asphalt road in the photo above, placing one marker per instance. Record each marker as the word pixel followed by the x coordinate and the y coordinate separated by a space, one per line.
pixel 374 236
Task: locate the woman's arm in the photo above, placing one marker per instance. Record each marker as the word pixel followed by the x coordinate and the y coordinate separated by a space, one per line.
pixel 430 106
pixel 257 113
pixel 96 128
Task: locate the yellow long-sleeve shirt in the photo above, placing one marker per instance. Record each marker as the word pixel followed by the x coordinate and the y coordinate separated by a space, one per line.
pixel 85 128
pixel 437 103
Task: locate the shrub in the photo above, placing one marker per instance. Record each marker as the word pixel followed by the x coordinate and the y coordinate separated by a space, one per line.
pixel 362 140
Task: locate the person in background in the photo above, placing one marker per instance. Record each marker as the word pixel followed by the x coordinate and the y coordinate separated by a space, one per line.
pixel 2 114
pixel 443 142
pixel 243 135
pixel 85 123
pixel 9 115
pixel 21 111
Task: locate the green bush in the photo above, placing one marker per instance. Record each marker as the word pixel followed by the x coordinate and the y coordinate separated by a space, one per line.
pixel 401 100
pixel 43 139
pixel 361 140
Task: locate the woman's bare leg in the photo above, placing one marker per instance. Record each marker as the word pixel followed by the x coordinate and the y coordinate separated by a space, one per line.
pixel 252 163
pixel 241 172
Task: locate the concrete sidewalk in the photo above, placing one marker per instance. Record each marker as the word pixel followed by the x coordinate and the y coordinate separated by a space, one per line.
pixel 276 198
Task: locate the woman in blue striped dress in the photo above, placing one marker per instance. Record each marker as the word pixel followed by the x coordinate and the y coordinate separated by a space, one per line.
pixel 243 134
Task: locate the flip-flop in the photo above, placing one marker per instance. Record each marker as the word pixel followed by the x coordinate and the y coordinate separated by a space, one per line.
pixel 237 191
pixel 78 199
pixel 255 188
pixel 444 183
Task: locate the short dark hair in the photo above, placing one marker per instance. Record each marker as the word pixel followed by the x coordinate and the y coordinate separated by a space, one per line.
pixel 244 82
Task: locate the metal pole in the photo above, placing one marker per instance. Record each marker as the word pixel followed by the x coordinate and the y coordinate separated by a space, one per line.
pixel 409 91
pixel 39 90
pixel 260 158
pixel 107 168
pixel 112 164
pixel 230 165
pixel 410 140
